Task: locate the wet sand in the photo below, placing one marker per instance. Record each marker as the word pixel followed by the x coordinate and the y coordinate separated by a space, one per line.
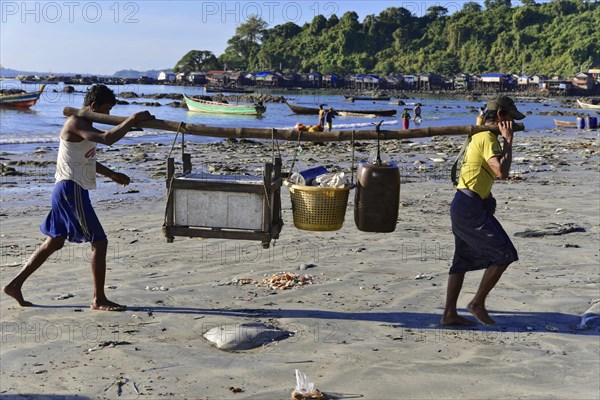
pixel 367 327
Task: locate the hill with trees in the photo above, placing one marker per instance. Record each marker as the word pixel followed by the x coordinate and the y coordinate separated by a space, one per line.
pixel 558 37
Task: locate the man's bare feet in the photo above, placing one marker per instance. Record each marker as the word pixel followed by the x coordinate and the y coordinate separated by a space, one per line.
pixel 481 314
pixel 106 305
pixel 456 320
pixel 15 293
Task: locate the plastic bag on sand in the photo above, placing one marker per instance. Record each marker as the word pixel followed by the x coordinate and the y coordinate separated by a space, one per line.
pixel 590 316
pixel 305 389
pixel 333 180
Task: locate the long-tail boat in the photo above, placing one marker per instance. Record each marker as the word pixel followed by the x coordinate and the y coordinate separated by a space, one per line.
pixel 225 89
pixel 21 100
pixel 214 107
pixel 588 106
pixel 376 97
pixel 564 124
pixel 296 109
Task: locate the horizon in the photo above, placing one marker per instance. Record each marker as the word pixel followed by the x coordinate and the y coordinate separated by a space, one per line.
pixel 49 37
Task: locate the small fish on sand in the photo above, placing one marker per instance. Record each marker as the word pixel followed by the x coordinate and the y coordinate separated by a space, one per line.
pixel 245 336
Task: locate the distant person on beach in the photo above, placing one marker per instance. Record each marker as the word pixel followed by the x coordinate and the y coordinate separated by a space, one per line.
pixel 72 216
pixel 417 113
pixel 329 116
pixel 405 119
pixel 322 113
pixel 480 240
pixel 481 116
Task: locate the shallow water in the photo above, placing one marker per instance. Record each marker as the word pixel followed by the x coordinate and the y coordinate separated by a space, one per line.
pixel 24 130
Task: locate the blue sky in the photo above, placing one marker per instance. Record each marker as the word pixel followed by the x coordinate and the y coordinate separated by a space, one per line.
pixel 101 37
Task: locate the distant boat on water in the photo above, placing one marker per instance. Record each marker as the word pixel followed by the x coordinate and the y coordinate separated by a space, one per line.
pixel 378 97
pixel 564 124
pixel 32 79
pixel 296 109
pixel 219 89
pixel 214 107
pixel 21 100
pixel 44 82
pixel 588 106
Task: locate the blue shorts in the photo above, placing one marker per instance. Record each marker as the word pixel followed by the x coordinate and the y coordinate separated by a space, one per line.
pixel 72 215
pixel 480 241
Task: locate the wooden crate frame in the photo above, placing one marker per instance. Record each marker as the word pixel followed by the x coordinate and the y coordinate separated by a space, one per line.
pixel 272 222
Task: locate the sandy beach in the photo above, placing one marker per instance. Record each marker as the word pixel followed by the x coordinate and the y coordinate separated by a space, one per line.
pixel 368 325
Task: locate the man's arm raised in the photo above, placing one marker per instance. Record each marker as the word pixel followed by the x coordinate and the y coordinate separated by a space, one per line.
pixel 85 130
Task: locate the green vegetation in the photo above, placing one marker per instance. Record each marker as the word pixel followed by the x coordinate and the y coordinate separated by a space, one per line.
pixel 197 60
pixel 557 37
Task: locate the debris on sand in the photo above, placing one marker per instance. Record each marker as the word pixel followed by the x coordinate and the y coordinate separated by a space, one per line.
pixel 286 280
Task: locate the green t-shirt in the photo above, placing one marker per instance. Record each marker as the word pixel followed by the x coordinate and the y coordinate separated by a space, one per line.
pixel 475 173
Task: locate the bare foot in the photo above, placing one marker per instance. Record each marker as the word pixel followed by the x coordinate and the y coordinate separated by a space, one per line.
pixel 16 294
pixel 456 320
pixel 481 314
pixel 107 305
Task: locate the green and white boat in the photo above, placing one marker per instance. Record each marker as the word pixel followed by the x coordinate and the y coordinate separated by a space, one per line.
pixel 214 107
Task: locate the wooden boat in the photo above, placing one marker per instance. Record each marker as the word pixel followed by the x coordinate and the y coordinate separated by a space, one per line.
pixel 363 113
pixel 44 82
pixel 374 98
pixel 37 80
pixel 355 114
pixel 21 100
pixel 214 107
pixel 303 110
pixel 588 106
pixel 215 89
pixel 564 124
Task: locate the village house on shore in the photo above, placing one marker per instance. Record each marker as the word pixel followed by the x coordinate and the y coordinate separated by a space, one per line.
pixel 581 84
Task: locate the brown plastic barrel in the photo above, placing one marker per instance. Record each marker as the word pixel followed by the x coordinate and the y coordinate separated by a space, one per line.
pixel 377 197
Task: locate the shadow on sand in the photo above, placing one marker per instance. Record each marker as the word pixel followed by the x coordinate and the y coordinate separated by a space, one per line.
pixel 507 321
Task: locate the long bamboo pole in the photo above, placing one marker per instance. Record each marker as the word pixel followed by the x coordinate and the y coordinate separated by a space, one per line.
pixel 286 134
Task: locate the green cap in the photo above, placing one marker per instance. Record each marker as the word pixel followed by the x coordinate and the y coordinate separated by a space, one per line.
pixel 505 103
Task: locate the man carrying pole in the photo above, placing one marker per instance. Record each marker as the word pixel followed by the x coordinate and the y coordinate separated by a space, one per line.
pixel 72 216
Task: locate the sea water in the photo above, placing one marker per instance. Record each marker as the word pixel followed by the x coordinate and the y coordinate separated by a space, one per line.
pixel 24 130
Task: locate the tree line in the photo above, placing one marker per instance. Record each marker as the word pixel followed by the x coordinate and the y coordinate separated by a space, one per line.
pixel 558 37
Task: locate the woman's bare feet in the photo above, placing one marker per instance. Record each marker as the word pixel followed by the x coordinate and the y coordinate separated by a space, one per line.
pixel 106 305
pixel 15 293
pixel 481 314
pixel 456 320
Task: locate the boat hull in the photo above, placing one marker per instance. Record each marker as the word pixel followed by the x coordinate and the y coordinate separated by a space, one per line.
pixel 588 106
pixel 32 82
pixel 212 107
pixel 564 124
pixel 21 100
pixel 212 89
pixel 367 98
pixel 355 113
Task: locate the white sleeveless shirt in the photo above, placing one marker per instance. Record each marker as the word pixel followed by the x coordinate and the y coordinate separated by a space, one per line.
pixel 77 162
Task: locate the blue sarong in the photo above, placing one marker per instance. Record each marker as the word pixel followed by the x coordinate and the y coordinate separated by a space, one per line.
pixel 72 215
pixel 480 240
